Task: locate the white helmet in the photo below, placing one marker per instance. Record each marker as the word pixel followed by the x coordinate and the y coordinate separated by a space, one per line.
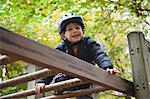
pixel 67 18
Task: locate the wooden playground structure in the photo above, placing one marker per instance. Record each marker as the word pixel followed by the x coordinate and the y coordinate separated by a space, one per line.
pixel 14 47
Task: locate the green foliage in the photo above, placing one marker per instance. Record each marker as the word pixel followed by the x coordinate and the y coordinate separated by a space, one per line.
pixel 107 21
pixel 10 90
pixel 14 70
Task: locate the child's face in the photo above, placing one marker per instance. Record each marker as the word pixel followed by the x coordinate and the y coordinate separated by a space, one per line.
pixel 73 33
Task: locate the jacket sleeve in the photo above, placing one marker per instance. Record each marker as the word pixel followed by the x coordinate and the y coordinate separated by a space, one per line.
pixel 46 80
pixel 61 47
pixel 99 56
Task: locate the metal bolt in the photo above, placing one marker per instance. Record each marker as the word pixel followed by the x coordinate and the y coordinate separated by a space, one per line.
pixel 132 53
pixel 137 87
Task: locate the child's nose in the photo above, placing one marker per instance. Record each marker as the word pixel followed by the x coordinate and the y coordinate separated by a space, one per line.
pixel 74 30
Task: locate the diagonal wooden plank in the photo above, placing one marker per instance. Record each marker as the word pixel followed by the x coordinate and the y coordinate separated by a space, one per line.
pixel 41 55
pixel 55 86
pixel 26 78
pixel 77 93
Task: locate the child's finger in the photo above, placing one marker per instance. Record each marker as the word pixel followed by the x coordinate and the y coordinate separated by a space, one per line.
pixel 115 71
pixel 38 89
pixel 109 70
pixel 112 71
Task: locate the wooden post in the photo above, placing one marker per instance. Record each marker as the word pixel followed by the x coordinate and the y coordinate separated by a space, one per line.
pixel 95 95
pixel 31 68
pixel 140 59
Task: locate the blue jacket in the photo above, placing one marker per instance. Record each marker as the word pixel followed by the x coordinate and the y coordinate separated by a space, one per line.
pixel 88 50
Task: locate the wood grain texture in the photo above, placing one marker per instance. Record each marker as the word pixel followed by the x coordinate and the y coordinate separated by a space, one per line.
pixel 140 59
pixel 41 55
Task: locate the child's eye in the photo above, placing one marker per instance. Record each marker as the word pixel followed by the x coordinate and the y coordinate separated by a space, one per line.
pixel 69 29
pixel 77 27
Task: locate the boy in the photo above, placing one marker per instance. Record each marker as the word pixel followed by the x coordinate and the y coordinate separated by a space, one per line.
pixel 71 29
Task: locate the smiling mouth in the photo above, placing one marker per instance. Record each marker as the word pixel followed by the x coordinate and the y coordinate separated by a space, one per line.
pixel 76 35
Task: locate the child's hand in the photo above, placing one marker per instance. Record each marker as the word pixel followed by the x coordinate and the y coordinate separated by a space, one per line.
pixel 40 87
pixel 113 71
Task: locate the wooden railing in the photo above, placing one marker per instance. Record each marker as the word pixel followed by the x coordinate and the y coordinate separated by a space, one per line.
pixel 25 49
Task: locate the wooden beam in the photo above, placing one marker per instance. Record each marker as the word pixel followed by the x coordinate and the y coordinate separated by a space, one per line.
pixel 140 59
pixel 26 78
pixel 41 55
pixel 77 93
pixel 55 86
